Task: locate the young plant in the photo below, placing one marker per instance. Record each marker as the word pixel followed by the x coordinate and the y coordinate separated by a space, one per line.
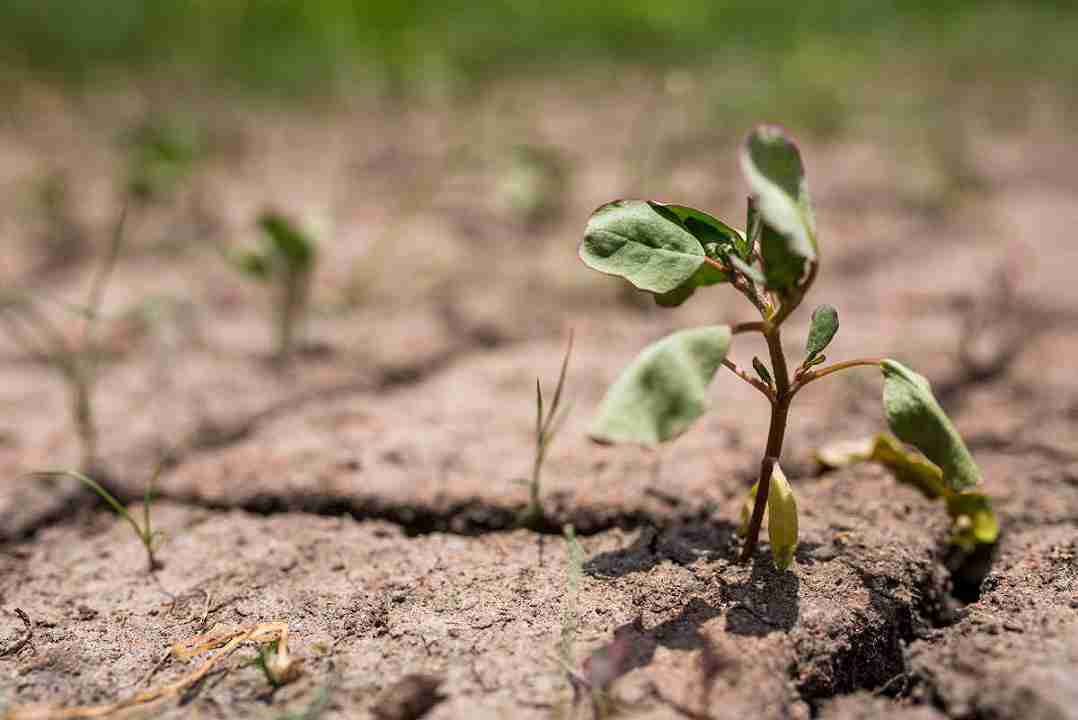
pixel 546 427
pixel 286 258
pixel 76 361
pixel 672 251
pixel 160 155
pixel 149 537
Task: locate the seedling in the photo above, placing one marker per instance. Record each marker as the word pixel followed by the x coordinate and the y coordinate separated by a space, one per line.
pixel 286 259
pixel 76 361
pixel 149 537
pixel 672 251
pixel 161 155
pixel 277 666
pixel 546 427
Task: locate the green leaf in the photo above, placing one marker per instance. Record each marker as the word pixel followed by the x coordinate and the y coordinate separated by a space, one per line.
pixel 251 263
pixel 782 268
pixel 633 240
pixel 753 225
pixel 762 371
pixel 772 165
pixel 287 241
pixel 975 522
pixel 664 390
pixel 916 418
pixel 707 275
pixel 675 297
pixel 781 519
pixel 821 331
pixel 704 227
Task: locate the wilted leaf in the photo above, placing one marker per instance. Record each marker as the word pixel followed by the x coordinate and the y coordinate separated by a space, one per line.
pixel 974 521
pixel 664 390
pixel 908 465
pixel 916 418
pixel 772 165
pixel 821 331
pixel 633 240
pixel 781 519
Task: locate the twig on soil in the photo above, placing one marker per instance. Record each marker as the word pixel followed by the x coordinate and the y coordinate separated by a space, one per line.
pixel 26 640
pixel 228 639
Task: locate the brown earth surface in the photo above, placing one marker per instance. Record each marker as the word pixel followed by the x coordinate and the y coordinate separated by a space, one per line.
pixel 367 495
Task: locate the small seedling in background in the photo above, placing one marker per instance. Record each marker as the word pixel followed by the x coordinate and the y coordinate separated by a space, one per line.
pixel 160 155
pixel 77 362
pixel 546 427
pixel 286 259
pixel 533 185
pixel 149 537
pixel 672 251
pixel 276 664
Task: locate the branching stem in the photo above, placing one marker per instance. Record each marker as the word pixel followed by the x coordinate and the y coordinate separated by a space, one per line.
pixel 758 384
pixel 805 378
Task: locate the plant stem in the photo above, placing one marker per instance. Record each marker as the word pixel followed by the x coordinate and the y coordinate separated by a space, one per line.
pixel 82 411
pixel 758 384
pixel 745 327
pixel 780 408
pixel 806 377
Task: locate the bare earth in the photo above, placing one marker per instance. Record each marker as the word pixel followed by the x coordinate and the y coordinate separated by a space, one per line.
pixel 367 495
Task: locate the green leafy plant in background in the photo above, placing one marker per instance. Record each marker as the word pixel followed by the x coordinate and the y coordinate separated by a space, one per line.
pixel 77 361
pixel 672 251
pixel 160 155
pixel 547 424
pixel 144 531
pixel 286 259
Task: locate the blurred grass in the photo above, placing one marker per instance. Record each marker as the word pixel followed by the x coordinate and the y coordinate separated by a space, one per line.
pixel 300 47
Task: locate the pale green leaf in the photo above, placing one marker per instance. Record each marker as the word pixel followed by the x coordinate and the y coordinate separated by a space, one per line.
pixel 915 416
pixel 707 275
pixel 822 330
pixel 772 165
pixel 633 240
pixel 746 510
pixel 975 522
pixel 781 519
pixel 664 390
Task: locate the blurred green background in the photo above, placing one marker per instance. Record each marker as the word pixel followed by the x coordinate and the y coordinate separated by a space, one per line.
pixel 299 48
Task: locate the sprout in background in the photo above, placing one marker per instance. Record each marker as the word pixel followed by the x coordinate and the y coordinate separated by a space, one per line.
pixel 285 259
